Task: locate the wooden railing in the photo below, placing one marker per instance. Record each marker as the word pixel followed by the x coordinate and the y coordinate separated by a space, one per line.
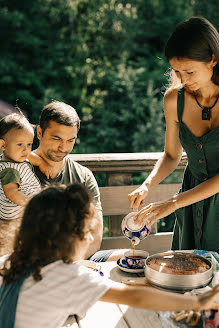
pixel 119 169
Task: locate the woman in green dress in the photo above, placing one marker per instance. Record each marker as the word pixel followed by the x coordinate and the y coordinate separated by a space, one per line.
pixel 191 109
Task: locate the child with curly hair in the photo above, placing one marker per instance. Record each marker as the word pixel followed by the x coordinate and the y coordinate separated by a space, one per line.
pixel 42 285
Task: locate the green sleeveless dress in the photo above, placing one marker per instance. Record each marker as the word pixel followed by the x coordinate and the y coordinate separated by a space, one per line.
pixel 197 225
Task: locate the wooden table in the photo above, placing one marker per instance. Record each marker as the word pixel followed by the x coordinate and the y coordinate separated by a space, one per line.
pixel 109 315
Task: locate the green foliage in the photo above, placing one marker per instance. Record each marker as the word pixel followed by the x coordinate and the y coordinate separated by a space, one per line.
pixel 122 127
pixel 209 10
pixel 104 57
pixel 35 37
pixel 122 101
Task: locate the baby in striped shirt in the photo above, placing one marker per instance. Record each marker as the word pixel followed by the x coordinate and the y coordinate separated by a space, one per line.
pixel 17 179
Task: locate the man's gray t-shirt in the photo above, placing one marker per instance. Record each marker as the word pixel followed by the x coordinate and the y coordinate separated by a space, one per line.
pixel 73 172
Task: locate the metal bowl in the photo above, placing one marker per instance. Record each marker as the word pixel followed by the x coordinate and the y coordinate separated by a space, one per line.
pixel 178 282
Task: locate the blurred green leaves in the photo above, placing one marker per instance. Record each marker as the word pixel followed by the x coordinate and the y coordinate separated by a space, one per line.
pixel 103 57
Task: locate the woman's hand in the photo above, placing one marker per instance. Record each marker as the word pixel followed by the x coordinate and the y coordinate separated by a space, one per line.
pixel 155 211
pixel 136 198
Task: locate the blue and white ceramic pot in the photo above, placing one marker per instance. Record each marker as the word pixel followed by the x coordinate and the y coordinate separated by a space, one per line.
pixel 133 231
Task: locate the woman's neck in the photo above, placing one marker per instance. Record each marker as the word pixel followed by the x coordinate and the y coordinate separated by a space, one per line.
pixel 208 93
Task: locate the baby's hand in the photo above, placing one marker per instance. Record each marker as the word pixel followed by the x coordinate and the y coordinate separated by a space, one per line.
pixel 43 165
pixel 46 169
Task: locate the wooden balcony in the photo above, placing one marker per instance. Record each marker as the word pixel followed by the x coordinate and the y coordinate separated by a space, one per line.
pixel 119 170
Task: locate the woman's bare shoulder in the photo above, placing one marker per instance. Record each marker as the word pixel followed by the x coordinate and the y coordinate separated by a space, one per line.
pixel 171 95
pixel 170 103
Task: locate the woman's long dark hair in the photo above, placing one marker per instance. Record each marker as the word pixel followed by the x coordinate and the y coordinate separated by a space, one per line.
pixel 51 222
pixel 196 39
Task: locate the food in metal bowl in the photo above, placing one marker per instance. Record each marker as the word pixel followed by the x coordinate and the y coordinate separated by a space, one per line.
pixel 178 270
pixel 178 263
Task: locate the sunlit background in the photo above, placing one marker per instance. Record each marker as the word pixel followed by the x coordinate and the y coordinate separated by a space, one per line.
pixel 103 57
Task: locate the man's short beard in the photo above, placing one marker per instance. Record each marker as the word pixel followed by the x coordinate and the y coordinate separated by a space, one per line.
pixel 55 159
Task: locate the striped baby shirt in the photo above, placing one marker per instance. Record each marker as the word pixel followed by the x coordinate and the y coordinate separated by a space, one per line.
pixel 22 174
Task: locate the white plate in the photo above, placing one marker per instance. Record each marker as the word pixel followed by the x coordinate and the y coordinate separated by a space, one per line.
pixel 126 269
pixel 90 265
pixel 87 263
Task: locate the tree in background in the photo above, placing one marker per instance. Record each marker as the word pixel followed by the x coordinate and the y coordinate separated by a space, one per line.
pixel 208 9
pixel 35 41
pixel 124 110
pixel 104 57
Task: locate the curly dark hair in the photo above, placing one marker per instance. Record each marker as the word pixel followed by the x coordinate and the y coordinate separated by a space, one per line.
pixel 51 222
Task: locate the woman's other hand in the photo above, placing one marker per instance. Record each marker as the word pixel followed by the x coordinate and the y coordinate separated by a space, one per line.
pixel 155 211
pixel 136 198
